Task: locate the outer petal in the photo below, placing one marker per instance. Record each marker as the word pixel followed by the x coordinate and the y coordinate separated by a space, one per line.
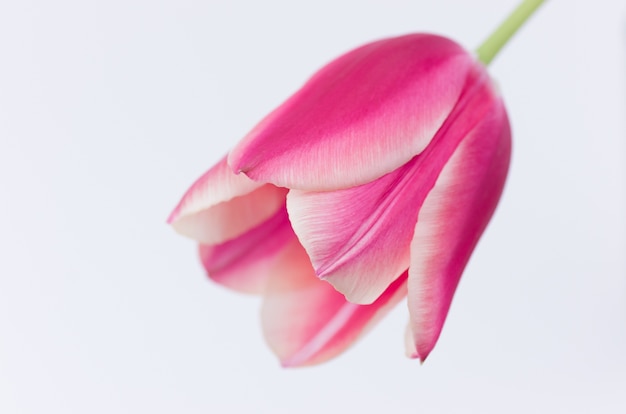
pixel 359 238
pixel 221 205
pixel 246 262
pixel 306 321
pixel 361 116
pixel 451 221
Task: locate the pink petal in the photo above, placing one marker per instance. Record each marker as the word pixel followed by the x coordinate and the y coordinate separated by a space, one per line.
pixel 246 262
pixel 359 238
pixel 409 343
pixel 306 322
pixel 221 205
pixel 361 116
pixel 451 221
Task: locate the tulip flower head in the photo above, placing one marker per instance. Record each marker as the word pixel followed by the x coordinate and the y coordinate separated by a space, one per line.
pixel 370 185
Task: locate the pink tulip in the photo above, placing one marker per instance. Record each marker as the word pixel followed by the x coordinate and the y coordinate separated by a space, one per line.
pixel 378 176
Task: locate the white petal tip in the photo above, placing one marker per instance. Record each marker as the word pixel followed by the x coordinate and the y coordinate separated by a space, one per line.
pixel 358 296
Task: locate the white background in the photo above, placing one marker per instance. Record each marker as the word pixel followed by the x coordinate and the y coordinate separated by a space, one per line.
pixel 110 109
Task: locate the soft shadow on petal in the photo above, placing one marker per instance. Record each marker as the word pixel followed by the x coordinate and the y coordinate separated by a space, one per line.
pixel 221 205
pixel 451 221
pixel 361 116
pixel 305 321
pixel 245 263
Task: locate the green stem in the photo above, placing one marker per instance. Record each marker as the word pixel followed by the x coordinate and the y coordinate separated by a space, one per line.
pixel 490 48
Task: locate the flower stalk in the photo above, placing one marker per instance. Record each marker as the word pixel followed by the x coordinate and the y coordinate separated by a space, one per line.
pixel 490 47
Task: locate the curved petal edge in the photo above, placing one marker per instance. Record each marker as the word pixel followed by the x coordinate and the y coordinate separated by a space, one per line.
pixel 359 117
pixel 451 222
pixel 222 205
pixel 306 322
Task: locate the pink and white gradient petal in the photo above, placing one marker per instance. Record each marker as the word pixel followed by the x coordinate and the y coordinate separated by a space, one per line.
pixel 221 205
pixel 359 238
pixel 451 221
pixel 409 343
pixel 359 117
pixel 306 321
pixel 245 263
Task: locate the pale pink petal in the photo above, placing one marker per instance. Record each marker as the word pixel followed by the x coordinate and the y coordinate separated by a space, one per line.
pixel 221 205
pixel 359 238
pixel 451 221
pixel 409 343
pixel 246 262
pixel 361 116
pixel 306 321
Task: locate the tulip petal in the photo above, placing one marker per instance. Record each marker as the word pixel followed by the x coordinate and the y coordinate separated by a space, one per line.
pixel 246 262
pixel 306 321
pixel 359 117
pixel 221 205
pixel 451 221
pixel 359 238
pixel 409 343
